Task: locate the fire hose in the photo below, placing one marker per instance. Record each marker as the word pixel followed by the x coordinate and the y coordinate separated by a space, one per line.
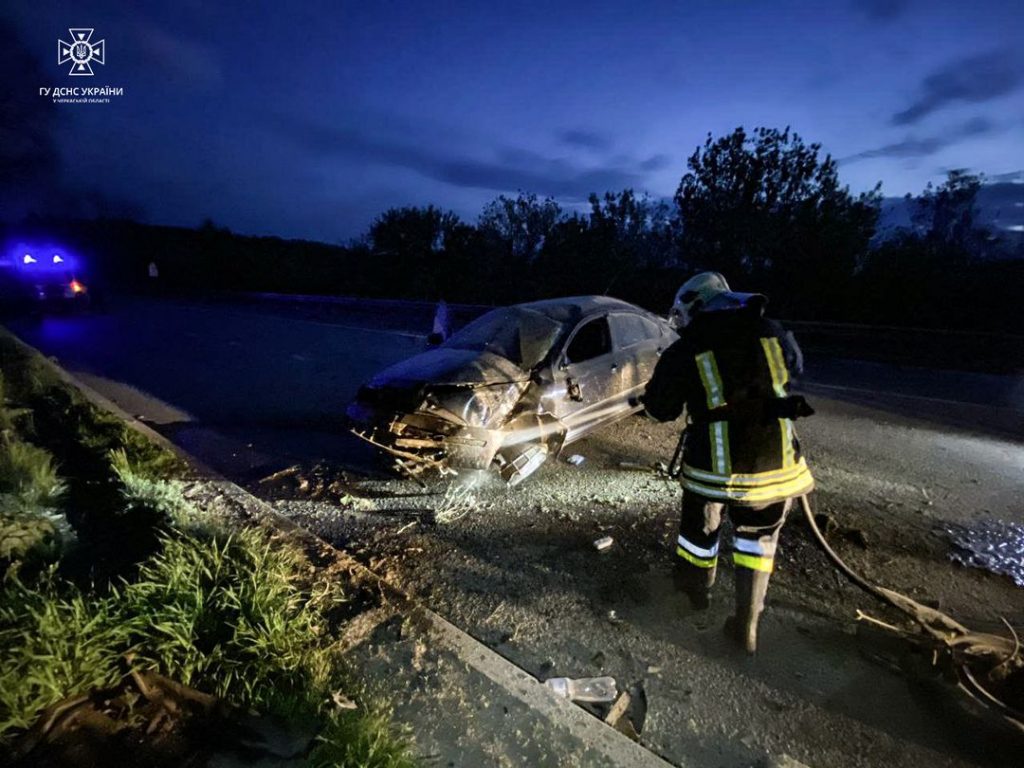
pixel 995 658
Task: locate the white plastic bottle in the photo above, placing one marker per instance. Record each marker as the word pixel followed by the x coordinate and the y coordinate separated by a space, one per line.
pixel 590 689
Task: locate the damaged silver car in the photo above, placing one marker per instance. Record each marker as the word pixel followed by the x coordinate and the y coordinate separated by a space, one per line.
pixel 513 387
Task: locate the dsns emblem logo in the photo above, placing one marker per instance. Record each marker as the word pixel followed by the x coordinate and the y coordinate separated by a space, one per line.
pixel 81 52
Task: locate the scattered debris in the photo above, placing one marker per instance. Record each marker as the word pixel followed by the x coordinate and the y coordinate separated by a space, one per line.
pixel 618 709
pixel 457 502
pixel 614 617
pixel 576 459
pixel 605 542
pixel 994 545
pixel 291 471
pixel 593 690
pixel 655 467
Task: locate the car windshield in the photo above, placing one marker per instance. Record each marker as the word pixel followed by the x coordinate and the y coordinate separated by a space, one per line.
pixel 523 336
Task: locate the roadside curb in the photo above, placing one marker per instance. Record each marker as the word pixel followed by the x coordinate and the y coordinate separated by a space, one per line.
pixel 610 744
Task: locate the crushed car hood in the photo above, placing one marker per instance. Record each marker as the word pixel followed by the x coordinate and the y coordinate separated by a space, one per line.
pixel 452 367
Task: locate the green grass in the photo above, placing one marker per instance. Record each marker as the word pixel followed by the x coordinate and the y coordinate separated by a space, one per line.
pixel 54 641
pixel 364 739
pixel 32 529
pixel 28 473
pixel 62 421
pixel 236 613
pixel 228 615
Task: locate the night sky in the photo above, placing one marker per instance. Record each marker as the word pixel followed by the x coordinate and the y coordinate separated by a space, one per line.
pixel 306 119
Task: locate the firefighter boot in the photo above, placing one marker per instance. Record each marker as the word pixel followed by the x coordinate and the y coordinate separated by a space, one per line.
pixel 751 588
pixel 695 583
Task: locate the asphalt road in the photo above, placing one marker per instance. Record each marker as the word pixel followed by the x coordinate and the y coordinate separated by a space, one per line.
pixel 244 386
pixel 899 454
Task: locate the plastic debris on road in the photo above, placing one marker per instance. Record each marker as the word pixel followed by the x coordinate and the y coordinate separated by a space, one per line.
pixel 995 545
pixel 589 689
pixel 603 543
pixel 575 460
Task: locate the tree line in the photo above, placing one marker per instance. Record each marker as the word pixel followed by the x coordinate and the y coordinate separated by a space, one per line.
pixel 764 207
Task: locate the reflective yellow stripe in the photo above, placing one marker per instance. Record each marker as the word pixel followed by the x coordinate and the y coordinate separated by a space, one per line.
pixel 788 452
pixel 707 366
pixel 776 364
pixel 756 480
pixel 801 484
pixel 753 562
pixel 721 460
pixel 700 562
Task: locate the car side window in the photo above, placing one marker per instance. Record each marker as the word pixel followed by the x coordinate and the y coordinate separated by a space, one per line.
pixel 591 340
pixel 630 329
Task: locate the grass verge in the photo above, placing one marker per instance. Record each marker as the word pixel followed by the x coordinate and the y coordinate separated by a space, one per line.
pixel 236 612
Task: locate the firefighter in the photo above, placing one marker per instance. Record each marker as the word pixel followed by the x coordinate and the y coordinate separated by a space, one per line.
pixel 731 371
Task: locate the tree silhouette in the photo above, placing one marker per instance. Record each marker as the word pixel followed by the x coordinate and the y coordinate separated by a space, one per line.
pixel 520 225
pixel 768 210
pixel 947 214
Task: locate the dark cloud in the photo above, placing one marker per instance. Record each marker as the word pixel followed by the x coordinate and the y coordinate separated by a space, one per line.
pixel 881 10
pixel 972 80
pixel 585 139
pixel 655 163
pixel 1012 177
pixel 913 146
pixel 510 170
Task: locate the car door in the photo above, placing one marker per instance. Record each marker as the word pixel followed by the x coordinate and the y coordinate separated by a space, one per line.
pixel 639 341
pixel 592 378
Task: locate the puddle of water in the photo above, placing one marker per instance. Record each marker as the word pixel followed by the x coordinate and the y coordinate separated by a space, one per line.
pixel 995 545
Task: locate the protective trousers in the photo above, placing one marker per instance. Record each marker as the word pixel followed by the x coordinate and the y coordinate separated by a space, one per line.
pixel 756 539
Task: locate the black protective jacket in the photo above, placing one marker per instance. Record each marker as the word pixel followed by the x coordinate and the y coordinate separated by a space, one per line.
pixel 731 371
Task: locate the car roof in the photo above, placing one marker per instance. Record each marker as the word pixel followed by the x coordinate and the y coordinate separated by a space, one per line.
pixel 575 307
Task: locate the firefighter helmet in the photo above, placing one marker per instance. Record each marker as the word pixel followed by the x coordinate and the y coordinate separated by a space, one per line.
pixel 695 294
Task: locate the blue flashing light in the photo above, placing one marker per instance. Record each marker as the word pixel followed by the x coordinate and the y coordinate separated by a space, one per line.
pixel 39 258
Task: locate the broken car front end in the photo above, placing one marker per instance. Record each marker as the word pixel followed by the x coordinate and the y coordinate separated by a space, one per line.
pixel 441 427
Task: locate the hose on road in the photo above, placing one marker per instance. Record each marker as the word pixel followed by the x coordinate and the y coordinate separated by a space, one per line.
pixel 985 664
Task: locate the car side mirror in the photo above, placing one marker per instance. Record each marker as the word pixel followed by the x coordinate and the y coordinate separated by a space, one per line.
pixel 435 339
